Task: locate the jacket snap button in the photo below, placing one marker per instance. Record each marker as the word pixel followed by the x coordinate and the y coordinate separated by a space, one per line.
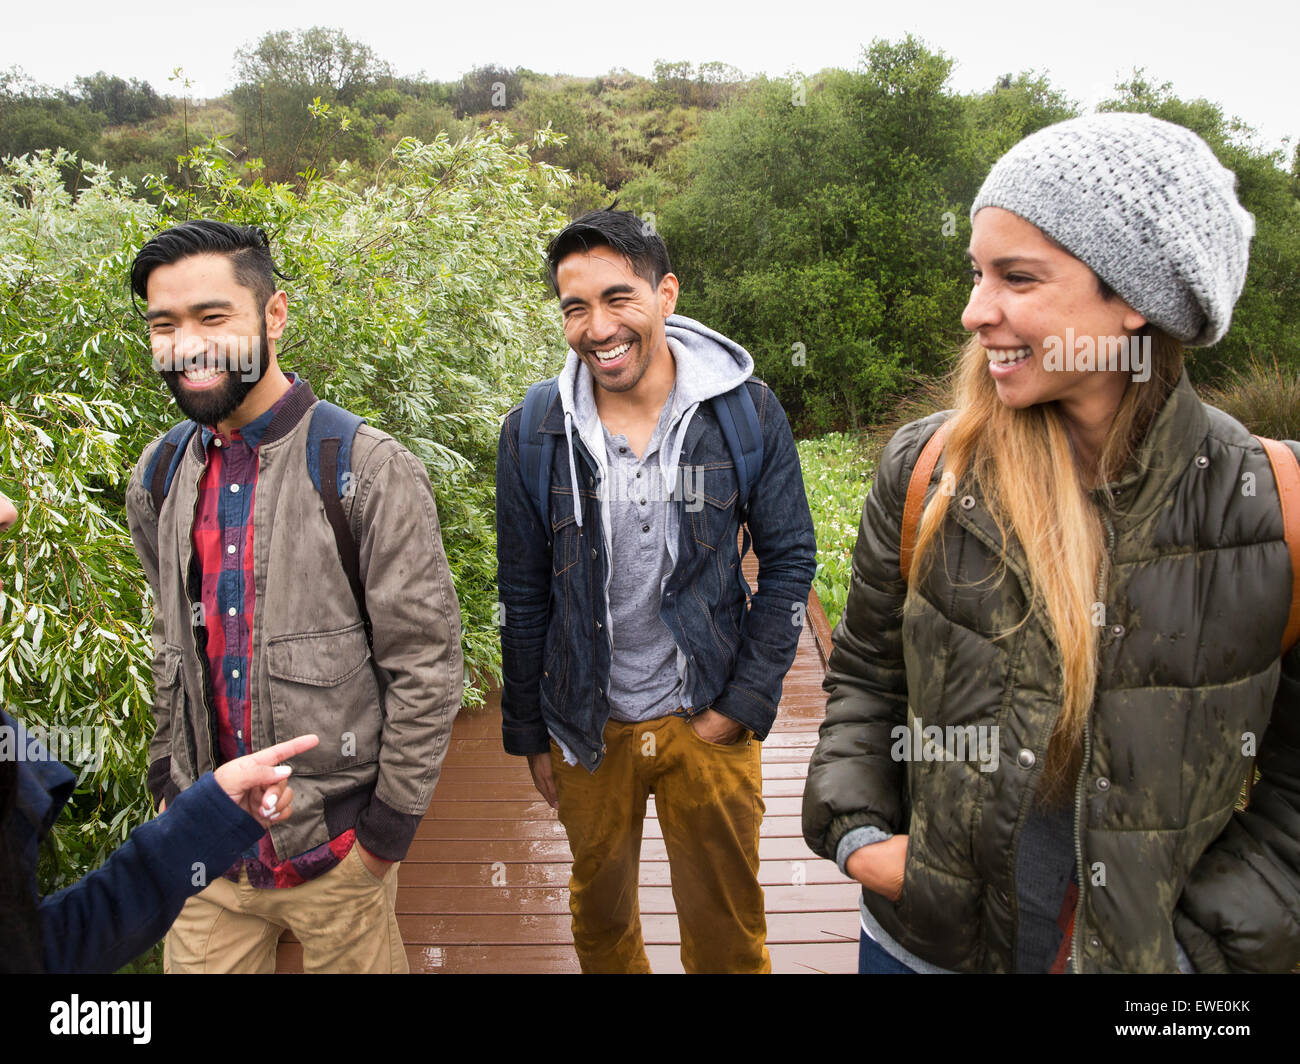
pixel 1202 461
pixel 593 552
pixel 1117 631
pixel 591 482
pixel 595 754
pixel 967 502
pixel 1103 784
pixel 1025 759
pixel 598 626
pixel 1094 942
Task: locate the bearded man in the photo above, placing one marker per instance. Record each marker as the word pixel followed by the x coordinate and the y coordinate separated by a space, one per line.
pixel 281 609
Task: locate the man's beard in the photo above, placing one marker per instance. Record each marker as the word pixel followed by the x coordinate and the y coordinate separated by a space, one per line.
pixel 213 405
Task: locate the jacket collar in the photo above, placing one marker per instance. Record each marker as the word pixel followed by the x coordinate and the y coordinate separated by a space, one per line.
pixel 1176 435
pixel 283 419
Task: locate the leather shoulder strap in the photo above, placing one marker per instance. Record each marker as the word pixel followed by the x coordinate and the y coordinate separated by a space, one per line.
pixel 1286 470
pixel 915 502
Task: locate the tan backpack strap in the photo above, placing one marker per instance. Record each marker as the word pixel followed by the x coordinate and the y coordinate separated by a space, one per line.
pixel 915 501
pixel 1286 470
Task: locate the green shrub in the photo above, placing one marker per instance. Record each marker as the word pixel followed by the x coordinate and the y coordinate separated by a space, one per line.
pixel 836 476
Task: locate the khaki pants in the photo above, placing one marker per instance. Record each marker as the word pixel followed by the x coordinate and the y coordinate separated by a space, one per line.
pixel 345 919
pixel 709 802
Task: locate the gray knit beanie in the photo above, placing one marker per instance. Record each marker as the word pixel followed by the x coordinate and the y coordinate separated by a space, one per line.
pixel 1146 204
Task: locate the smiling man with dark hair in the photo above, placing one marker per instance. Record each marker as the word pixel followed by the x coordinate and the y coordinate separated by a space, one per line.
pixel 633 664
pixel 299 584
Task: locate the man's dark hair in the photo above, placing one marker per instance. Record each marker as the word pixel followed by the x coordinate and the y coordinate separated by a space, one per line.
pixel 621 230
pixel 247 247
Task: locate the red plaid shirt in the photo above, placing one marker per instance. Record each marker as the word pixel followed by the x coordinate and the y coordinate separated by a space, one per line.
pixel 223 547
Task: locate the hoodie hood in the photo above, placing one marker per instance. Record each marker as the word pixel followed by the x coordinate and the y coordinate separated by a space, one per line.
pixel 708 365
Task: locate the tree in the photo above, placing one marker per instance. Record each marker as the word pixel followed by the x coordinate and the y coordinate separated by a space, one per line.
pixel 33 117
pixel 284 76
pixel 319 61
pixel 119 101
pixel 821 224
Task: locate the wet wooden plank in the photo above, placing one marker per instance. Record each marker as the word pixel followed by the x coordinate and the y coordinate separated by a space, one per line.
pixel 821 957
pixel 805 898
pixel 556 873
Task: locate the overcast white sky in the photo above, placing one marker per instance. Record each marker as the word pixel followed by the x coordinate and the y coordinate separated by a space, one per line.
pixel 1238 53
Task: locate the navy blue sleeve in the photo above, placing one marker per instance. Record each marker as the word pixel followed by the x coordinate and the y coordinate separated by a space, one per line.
pixel 118 911
pixel 524 584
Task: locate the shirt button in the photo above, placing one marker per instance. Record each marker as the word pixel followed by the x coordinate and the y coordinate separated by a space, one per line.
pixel 622 450
pixel 234 673
pixel 230 548
pixel 234 488
pixel 239 735
pixel 638 474
pixel 645 528
pixel 232 611
pixel 1025 759
pixel 216 441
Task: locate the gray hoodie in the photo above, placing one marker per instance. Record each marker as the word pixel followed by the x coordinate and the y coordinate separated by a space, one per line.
pixel 708 364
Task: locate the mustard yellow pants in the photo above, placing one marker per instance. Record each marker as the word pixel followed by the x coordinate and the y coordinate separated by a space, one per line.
pixel 709 801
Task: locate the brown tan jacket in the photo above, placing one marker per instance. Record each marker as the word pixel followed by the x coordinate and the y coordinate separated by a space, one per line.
pixel 384 719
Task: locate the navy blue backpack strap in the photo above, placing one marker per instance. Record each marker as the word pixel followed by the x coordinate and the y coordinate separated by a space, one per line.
pixel 331 422
pixel 739 422
pixel 165 460
pixel 329 463
pixel 536 450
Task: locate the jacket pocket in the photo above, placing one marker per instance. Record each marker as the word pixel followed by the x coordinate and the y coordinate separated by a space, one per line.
pixel 940 913
pixel 564 544
pixel 170 702
pixel 712 510
pixel 323 683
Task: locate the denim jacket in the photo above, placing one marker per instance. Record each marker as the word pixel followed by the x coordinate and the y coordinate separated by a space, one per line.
pixel 552 580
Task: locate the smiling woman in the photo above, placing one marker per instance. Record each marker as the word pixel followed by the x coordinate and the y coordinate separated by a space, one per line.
pixel 1093 591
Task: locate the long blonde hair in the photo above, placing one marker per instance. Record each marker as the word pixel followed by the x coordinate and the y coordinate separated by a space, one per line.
pixel 1023 463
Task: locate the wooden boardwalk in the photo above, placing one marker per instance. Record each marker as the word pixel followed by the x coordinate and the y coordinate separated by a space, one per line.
pixel 485 885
